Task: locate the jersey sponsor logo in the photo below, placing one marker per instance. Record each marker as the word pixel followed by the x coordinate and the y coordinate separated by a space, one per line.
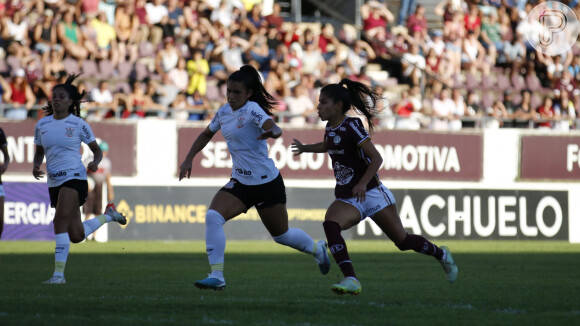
pixel 357 130
pixel 86 131
pixel 256 115
pixel 72 122
pixel 240 122
pixel 336 151
pixel 371 211
pixel 243 171
pixel 336 248
pixel 69 132
pixel 332 134
pixel 343 174
pixel 57 175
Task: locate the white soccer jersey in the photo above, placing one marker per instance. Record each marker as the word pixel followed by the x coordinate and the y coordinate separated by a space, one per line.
pixel 61 140
pixel 241 128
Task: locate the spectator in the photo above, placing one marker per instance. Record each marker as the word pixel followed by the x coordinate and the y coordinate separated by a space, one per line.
pixel 566 112
pixel 16 34
pixel 473 57
pixel 358 57
pixel 417 23
pixel 167 58
pixel 524 112
pixel 327 42
pixel 101 100
pixel 155 10
pixel 472 20
pixel 259 50
pixel 545 113
pixel 106 39
pixel 299 105
pixel 312 61
pixel 274 19
pixel 566 84
pixel 254 19
pixel 178 77
pixel 376 16
pixel 70 37
pixel 176 18
pixel 443 110
pixel 44 35
pixel 128 32
pixel 491 36
pixel 405 112
pixel 19 95
pixel 514 52
pixel 496 115
pixel 473 110
pixel 198 69
pixel 413 65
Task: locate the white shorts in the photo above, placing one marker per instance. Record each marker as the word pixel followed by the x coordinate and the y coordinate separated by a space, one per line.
pixel 2 193
pixel 376 199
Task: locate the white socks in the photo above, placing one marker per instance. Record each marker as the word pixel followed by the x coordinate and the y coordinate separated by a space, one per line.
pixel 61 253
pixel 215 242
pixel 95 223
pixel 297 239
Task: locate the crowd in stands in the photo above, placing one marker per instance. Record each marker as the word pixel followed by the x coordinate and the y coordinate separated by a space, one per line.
pixel 169 59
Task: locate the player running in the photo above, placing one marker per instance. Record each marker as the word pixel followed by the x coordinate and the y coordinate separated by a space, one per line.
pixel 60 134
pixel 245 123
pixel 359 192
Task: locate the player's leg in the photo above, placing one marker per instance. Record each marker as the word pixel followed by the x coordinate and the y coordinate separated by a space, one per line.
pixel 275 219
pixel 223 207
pixel 67 209
pixel 389 221
pixel 342 216
pixel 1 214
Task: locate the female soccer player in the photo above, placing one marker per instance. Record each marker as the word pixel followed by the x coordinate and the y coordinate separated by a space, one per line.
pixel 359 192
pixel 245 123
pixel 59 134
pixel 3 167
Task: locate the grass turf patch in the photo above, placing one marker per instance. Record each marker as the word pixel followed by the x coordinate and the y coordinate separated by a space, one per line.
pixel 151 283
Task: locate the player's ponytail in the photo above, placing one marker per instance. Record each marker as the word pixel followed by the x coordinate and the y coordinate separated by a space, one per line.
pixel 249 76
pixel 354 94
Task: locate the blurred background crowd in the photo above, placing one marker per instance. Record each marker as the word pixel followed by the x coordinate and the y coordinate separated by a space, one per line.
pixel 441 65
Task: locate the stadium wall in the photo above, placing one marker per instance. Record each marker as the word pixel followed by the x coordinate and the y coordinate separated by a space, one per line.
pixel 483 184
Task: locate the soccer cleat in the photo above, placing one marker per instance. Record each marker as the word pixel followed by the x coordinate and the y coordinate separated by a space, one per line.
pixel 116 216
pixel 322 258
pixel 449 266
pixel 349 285
pixel 55 280
pixel 210 283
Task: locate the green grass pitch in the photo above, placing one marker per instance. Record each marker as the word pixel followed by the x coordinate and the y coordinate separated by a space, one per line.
pixel 151 283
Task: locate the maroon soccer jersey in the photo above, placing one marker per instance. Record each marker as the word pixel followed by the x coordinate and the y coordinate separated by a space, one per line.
pixel 349 161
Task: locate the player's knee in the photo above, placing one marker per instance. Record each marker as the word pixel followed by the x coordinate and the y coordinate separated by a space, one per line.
pixel 282 239
pixel 213 217
pixel 76 237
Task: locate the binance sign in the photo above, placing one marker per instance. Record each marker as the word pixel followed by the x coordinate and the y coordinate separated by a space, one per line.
pixel 162 213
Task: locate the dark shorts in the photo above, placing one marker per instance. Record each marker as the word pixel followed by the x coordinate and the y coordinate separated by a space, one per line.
pixel 261 196
pixel 81 186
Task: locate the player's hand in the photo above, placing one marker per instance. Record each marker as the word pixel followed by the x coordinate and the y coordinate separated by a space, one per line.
pixel 297 147
pixel 185 169
pixel 93 166
pixel 360 193
pixel 37 172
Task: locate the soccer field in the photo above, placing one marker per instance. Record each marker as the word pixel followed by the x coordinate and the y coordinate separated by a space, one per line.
pixel 151 283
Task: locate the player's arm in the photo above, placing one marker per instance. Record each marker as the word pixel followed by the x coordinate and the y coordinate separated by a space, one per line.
pixel 37 161
pixel 199 143
pixel 359 190
pixel 299 148
pixel 97 156
pixel 4 166
pixel 271 130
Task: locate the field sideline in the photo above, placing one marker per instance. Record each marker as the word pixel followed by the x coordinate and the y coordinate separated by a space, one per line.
pixel 151 283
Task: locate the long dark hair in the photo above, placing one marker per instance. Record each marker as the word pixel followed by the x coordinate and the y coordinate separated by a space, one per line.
pixel 249 76
pixel 355 94
pixel 73 93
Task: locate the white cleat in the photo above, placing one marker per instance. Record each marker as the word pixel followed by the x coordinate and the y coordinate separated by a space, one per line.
pixel 55 280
